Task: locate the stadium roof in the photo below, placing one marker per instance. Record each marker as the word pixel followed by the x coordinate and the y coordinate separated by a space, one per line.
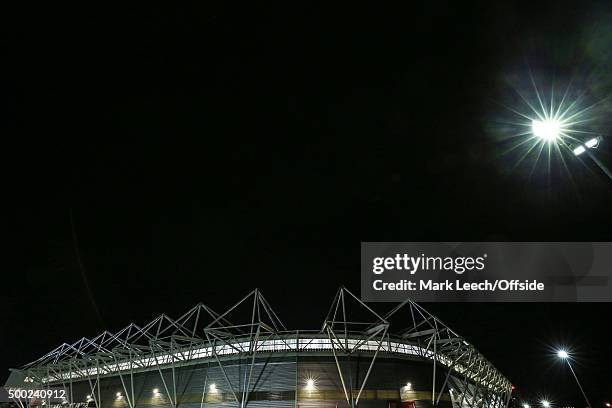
pixel 251 327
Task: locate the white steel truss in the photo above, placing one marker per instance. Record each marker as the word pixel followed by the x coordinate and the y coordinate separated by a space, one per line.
pixel 201 335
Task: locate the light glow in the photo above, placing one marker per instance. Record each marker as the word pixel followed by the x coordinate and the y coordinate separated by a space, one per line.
pixel 562 354
pixel 409 386
pixel 118 395
pixel 548 130
pixel 526 406
pixel 212 388
pixel 545 404
pixel 156 391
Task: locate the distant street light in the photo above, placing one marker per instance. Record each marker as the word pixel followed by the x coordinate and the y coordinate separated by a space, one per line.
pixel 563 355
pixel 545 404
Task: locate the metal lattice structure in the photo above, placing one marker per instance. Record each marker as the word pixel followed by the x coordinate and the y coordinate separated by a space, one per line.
pixel 251 328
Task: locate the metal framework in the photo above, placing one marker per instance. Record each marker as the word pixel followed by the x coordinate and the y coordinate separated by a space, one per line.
pixel 202 335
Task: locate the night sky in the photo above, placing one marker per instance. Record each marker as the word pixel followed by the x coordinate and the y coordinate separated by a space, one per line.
pixel 196 153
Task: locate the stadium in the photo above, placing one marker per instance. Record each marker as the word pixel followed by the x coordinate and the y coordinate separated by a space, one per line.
pixel 246 357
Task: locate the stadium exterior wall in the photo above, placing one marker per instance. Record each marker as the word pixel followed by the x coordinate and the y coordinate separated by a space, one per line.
pixel 277 381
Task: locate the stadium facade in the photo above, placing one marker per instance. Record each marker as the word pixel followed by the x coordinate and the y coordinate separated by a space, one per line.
pixel 245 357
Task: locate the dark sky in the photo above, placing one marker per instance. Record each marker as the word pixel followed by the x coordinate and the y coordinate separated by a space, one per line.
pixel 206 150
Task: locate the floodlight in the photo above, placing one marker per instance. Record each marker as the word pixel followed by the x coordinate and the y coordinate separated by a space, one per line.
pixel 591 143
pixel 545 404
pixel 553 121
pixel 155 390
pixel 579 150
pixel 212 387
pixel 547 130
pixel 310 384
pixel 118 395
pixel 562 354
